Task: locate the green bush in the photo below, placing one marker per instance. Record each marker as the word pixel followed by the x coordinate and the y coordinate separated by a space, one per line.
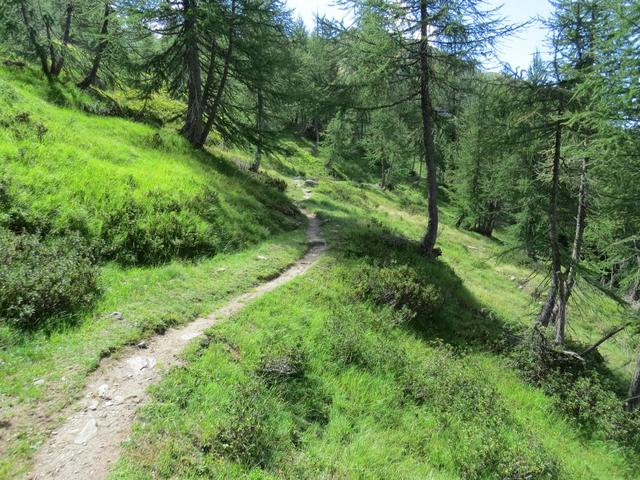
pixel 247 436
pixel 41 280
pixel 584 392
pixel 450 387
pixel 156 231
pixel 399 287
pixel 271 181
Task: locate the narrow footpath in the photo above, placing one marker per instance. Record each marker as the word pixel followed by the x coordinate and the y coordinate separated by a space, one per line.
pixel 89 442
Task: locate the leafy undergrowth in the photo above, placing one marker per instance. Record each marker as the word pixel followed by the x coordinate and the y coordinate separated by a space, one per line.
pixel 354 380
pixel 42 372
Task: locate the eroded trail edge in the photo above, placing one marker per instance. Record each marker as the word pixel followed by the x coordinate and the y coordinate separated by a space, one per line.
pixel 89 441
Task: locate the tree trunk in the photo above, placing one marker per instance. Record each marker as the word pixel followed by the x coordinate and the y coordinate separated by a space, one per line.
pixel 634 294
pixel 316 143
pixel 213 111
pixel 56 65
pixel 556 274
pixel 193 127
pixel 259 128
pixel 563 300
pixel 429 239
pixel 92 76
pixel 561 318
pixel 33 38
pixel 634 390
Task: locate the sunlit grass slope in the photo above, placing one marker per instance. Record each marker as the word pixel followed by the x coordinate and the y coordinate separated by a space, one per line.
pixel 176 233
pixel 140 194
pixel 317 380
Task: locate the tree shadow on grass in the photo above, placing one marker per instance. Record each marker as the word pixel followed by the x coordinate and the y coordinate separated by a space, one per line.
pixel 462 321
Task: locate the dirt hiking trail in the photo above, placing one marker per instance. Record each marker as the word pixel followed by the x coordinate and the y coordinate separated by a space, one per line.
pixel 89 442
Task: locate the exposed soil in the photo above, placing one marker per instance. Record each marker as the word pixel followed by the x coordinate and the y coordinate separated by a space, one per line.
pixel 89 441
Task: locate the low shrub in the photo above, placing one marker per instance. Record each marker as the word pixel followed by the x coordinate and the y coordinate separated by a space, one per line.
pixel 584 392
pixel 399 287
pixel 42 280
pixel 367 344
pixel 271 181
pixel 452 388
pixel 246 436
pixel 155 231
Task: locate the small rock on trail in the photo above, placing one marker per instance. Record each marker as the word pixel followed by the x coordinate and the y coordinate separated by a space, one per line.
pixel 138 364
pixel 89 431
pixel 103 391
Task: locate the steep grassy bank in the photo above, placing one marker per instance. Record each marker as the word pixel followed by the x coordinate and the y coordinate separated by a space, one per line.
pixel 137 194
pixel 126 214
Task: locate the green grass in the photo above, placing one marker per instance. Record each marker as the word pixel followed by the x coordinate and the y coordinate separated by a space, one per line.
pixel 137 193
pixel 373 399
pixel 350 414
pixel 151 300
pixel 177 233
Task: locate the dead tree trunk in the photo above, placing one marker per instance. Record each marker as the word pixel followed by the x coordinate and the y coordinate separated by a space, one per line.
pixel 259 128
pixel 430 236
pixel 92 75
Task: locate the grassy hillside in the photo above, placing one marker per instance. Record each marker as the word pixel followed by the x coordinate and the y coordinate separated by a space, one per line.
pixel 164 232
pixel 137 193
pixel 376 364
pixel 384 365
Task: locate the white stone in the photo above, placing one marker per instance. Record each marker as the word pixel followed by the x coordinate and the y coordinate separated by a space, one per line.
pixel 88 432
pixel 138 364
pixel 103 391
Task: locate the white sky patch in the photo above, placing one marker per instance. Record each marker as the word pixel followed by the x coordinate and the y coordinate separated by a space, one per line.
pixel 517 50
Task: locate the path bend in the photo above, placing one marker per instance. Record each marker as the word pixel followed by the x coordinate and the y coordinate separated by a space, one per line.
pixel 89 442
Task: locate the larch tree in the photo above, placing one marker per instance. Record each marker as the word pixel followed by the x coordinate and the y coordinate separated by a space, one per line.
pixel 432 40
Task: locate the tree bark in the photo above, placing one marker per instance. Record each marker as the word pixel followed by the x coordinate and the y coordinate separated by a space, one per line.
pixel 634 294
pixel 212 114
pixel 259 128
pixel 563 300
pixel 556 274
pixel 33 38
pixel 634 390
pixel 316 143
pixel 429 239
pixel 57 65
pixel 92 75
pixel 193 127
